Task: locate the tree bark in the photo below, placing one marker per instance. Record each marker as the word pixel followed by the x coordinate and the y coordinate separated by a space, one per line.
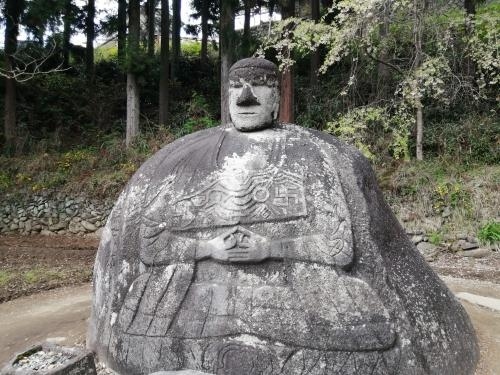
pixel 204 32
pixel 176 37
pixel 315 58
pixel 417 41
pixel 287 84
pixel 470 7
pixel 287 97
pixel 90 31
pixel 164 57
pixel 383 73
pixel 470 11
pixel 132 86
pixel 122 30
pixel 67 32
pixel 420 131
pixel 12 13
pixel 227 55
pixel 245 50
pixel 151 8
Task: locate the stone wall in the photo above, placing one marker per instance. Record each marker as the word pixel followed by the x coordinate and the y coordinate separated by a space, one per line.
pixel 51 213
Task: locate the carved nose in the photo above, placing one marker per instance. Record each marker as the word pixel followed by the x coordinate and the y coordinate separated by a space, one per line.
pixel 247 97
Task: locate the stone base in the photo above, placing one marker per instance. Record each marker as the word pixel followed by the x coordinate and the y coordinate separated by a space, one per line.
pixel 51 359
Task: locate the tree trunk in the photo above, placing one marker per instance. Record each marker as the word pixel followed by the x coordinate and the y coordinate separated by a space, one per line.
pixel 151 9
pixel 122 30
pixel 132 86
pixel 470 7
pixel 176 37
pixel 417 40
pixel 133 110
pixel 287 97
pixel 204 32
pixel 164 57
pixel 12 13
pixel 227 55
pixel 67 32
pixel 287 86
pixel 90 31
pixel 10 113
pixel 245 50
pixel 314 65
pixel 420 131
pixel 470 11
pixel 383 73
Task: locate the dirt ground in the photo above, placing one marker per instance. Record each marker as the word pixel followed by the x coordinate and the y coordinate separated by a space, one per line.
pixel 29 266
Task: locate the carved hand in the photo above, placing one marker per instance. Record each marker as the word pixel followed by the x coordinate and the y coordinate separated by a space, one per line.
pixel 237 245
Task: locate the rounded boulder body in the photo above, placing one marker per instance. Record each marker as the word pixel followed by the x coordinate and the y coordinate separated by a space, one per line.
pixel 268 252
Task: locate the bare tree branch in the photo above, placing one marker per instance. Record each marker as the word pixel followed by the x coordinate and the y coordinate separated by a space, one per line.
pixel 26 66
pixel 396 68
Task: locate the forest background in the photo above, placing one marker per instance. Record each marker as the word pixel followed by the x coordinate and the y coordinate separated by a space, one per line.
pixel 412 83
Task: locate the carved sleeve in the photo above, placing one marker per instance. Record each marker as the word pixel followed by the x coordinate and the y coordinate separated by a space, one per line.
pixel 161 247
pixel 332 248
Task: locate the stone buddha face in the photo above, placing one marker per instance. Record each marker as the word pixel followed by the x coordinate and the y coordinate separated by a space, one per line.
pixel 253 94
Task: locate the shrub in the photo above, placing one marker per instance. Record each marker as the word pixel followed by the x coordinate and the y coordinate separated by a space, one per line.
pixel 377 133
pixel 489 233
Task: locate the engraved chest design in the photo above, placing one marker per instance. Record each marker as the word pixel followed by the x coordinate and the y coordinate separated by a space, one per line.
pixel 240 197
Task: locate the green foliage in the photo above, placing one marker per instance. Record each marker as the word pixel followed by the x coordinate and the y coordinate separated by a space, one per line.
pixel 5 181
pixel 198 116
pixel 455 75
pixel 71 158
pixel 451 195
pixel 484 44
pixel 191 48
pixel 106 52
pixel 435 237
pixel 377 133
pixel 139 63
pixel 471 139
pixel 489 233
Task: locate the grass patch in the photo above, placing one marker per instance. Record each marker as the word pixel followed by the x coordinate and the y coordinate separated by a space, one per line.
pixel 41 274
pixel 5 277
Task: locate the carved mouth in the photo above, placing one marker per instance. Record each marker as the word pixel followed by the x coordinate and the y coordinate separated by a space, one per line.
pixel 247 113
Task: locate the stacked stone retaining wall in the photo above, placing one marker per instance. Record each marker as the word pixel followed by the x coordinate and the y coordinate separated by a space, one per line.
pixel 51 213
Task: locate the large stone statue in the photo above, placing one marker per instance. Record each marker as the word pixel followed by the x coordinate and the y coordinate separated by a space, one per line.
pixel 265 248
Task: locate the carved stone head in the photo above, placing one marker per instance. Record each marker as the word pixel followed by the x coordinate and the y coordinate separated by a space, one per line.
pixel 253 94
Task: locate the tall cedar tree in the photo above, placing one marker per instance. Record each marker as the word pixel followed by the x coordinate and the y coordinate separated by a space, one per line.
pixel 176 37
pixel 418 8
pixel 164 57
pixel 122 30
pixel 227 43
pixel 67 20
pixel 12 13
pixel 151 13
pixel 287 86
pixel 204 31
pixel 90 31
pixel 133 102
pixel 245 43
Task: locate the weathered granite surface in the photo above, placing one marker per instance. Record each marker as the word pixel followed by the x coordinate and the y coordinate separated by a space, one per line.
pixel 268 251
